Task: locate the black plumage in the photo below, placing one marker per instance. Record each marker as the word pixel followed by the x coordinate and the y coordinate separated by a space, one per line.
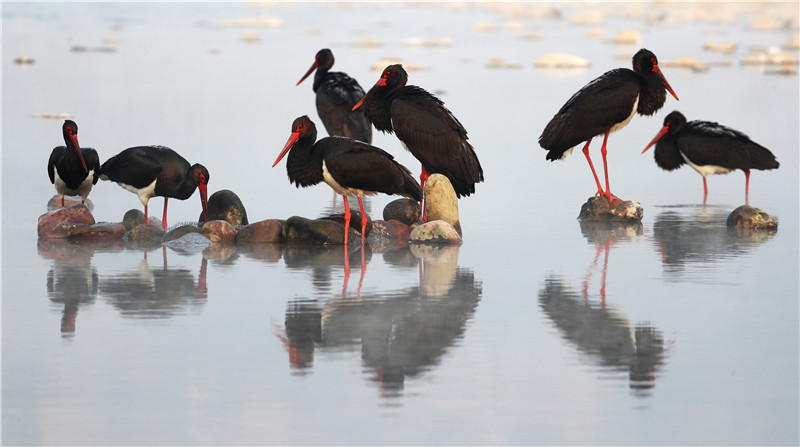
pixel 604 105
pixel 336 94
pixel 350 167
pixel 425 127
pixel 73 169
pixel 709 148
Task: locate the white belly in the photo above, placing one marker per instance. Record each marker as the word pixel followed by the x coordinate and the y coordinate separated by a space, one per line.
pixel 144 193
pixel 345 191
pixel 705 170
pixel 83 189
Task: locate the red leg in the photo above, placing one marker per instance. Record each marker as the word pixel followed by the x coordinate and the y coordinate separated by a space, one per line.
pixel 145 214
pixel 591 166
pixel 346 220
pixel 346 267
pixel 603 151
pixel 83 201
pixel 363 220
pixel 705 190
pixel 747 187
pixel 62 201
pixel 423 177
pixel 164 221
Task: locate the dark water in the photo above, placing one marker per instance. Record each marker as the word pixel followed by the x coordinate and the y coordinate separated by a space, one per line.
pixel 539 329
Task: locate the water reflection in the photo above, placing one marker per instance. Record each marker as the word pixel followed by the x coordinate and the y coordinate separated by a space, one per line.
pixel 689 235
pixel 605 235
pixel 402 333
pixel 163 292
pixel 605 336
pixel 72 280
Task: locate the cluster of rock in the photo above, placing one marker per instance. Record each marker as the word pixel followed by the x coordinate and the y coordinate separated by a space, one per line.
pixel 228 221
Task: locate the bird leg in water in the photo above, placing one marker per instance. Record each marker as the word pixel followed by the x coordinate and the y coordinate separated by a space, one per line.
pixel 603 151
pixel 346 218
pixel 746 186
pixel 363 220
pixel 145 214
pixel 62 201
pixel 423 177
pixel 165 214
pixel 705 190
pixel 591 166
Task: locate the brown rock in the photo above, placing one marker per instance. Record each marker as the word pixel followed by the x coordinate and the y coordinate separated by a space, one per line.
pixel 133 218
pixel 225 205
pixel 403 210
pixel 54 224
pixel 219 230
pixel 597 209
pixel 436 232
pixel 263 231
pixel 145 236
pixel 55 202
pixel 321 231
pixel 355 222
pixel 751 218
pixel 441 202
pixel 179 232
pixel 104 230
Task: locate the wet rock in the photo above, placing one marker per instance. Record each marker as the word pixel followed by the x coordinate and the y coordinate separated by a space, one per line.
pixel 54 224
pixel 751 218
pixel 597 209
pixel 355 222
pixel 55 202
pixel 145 236
pixel 441 202
pixel 406 211
pixel 436 232
pixel 133 218
pixel 225 205
pixel 321 231
pixel 219 251
pixel 219 230
pixel 179 232
pixel 104 230
pixel 192 242
pixel 263 231
pixel 389 235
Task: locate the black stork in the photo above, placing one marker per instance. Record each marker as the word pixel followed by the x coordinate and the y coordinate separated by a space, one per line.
pixel 605 105
pixel 709 148
pixel 149 171
pixel 350 167
pixel 337 93
pixel 425 127
pixel 71 168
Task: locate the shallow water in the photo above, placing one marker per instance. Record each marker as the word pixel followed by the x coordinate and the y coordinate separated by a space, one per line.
pixel 537 330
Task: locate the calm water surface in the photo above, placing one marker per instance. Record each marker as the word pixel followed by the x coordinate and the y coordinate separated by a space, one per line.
pixel 537 330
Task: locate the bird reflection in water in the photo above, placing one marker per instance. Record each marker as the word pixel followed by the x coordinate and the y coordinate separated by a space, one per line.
pixel 156 292
pixel 402 333
pixel 691 235
pixel 605 235
pixel 72 281
pixel 605 336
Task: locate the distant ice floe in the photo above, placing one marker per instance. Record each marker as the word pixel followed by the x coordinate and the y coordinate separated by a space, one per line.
pixel 561 60
pixel 261 22
pixel 502 63
pixel 691 63
pixel 53 116
pixel 407 66
pixel 24 60
pixel 721 47
pixel 422 42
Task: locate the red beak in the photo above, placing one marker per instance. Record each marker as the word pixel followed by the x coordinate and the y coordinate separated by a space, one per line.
pixel 77 147
pixel 661 133
pixel 292 139
pixel 666 84
pixel 359 103
pixel 310 70
pixel 204 198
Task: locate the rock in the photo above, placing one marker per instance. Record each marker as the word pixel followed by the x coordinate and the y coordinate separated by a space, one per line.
pixel 437 232
pixel 179 232
pixel 597 209
pixel 441 202
pixel 321 231
pixel 406 211
pixel 219 230
pixel 192 242
pixel 355 222
pixel 55 202
pixel 134 218
pixel 751 218
pixel 54 224
pixel 145 236
pixel 391 235
pixel 104 230
pixel 263 231
pixel 225 205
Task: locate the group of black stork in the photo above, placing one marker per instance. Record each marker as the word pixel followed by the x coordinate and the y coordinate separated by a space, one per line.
pixel 353 167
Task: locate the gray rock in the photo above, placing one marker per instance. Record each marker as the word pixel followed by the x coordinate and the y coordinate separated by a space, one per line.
pixel 263 231
pixel 597 209
pixel 192 242
pixel 441 202
pixel 55 202
pixel 435 232
pixel 406 211
pixel 179 232
pixel 54 224
pixel 750 218
pixel 321 231
pixel 225 205
pixel 133 218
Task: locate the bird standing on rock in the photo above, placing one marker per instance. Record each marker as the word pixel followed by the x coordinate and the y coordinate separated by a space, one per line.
pixel 337 93
pixel 605 105
pixel 149 171
pixel 73 169
pixel 350 167
pixel 425 127
pixel 709 148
